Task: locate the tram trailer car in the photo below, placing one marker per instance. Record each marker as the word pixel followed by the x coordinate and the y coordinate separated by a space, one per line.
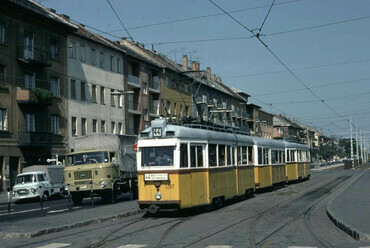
pixel 298 165
pixel 200 167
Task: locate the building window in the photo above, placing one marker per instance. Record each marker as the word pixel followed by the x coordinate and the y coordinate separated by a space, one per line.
pixel 111 63
pixel 55 86
pixel 95 126
pixel 168 107
pixel 54 48
pixel 119 99
pixel 113 127
pixel 2 33
pixel 74 126
pixel 103 126
pixel 30 122
pixel 83 126
pixel 280 130
pixel 144 87
pixel 145 114
pixel 29 80
pixel 101 59
pixel 120 131
pixel 94 93
pixel 82 52
pixel 102 95
pixel 73 89
pixel 55 124
pixel 72 49
pixel 83 91
pixel 3 120
pixel 112 98
pixel 2 75
pixel 28 45
pixel 118 65
pixel 92 56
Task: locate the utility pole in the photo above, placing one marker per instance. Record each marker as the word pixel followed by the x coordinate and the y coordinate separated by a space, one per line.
pixel 350 130
pixel 357 157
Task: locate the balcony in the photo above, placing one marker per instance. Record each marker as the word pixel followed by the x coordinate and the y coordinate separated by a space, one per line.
pixel 38 139
pixel 34 56
pixel 133 106
pixel 133 80
pixel 201 99
pixel 154 109
pixel 29 97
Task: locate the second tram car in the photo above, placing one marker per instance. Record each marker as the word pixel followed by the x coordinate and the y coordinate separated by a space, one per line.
pixel 182 166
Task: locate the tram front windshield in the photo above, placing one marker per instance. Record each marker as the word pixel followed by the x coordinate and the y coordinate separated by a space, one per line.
pixel 157 156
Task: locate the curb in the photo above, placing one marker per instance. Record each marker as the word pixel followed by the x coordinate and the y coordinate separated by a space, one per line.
pixel 15 235
pixel 350 230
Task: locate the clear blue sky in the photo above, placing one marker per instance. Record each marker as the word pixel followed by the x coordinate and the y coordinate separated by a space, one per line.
pixel 324 43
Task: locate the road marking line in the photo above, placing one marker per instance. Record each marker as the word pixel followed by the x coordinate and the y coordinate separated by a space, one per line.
pixel 219 246
pixel 54 245
pixel 302 247
pixel 25 211
pixel 131 246
pixel 61 210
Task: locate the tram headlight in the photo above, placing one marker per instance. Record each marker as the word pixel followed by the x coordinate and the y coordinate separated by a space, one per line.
pixel 158 196
pixel 66 188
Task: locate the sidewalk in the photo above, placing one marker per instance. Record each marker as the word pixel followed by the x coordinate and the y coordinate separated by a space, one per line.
pixel 350 210
pixel 33 227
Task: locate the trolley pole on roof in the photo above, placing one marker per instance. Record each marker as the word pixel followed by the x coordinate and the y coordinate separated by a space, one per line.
pixel 350 130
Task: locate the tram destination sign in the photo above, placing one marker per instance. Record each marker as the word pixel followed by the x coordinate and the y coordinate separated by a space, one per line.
pixel 157 132
pixel 156 177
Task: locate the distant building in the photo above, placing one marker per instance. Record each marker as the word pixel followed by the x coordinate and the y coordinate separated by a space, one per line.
pixel 285 129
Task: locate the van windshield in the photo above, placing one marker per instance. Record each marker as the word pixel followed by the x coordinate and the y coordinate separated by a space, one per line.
pixel 87 158
pixel 26 179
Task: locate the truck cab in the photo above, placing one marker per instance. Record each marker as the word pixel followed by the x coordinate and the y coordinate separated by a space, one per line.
pixel 31 185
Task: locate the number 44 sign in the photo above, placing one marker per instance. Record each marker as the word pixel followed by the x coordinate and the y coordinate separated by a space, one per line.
pixel 157 132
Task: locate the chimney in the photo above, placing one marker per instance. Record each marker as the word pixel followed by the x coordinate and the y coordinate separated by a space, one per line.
pixel 185 62
pixel 208 72
pixel 65 17
pixel 52 10
pixel 193 65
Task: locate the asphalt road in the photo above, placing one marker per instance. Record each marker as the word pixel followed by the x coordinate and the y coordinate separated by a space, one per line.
pixel 292 216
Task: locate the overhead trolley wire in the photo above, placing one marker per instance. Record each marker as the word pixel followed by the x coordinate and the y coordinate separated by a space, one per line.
pixel 279 60
pixel 119 19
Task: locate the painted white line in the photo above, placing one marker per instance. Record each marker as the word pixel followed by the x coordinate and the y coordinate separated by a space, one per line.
pixel 61 210
pixel 25 211
pixel 219 246
pixel 302 247
pixel 131 246
pixel 54 245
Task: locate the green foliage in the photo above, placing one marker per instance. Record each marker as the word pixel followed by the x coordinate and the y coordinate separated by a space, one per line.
pixel 43 95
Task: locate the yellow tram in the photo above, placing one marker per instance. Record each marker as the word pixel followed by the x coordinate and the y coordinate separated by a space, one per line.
pixel 297 162
pixel 183 166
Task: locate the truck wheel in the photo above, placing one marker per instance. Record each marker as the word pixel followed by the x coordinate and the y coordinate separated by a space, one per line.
pixel 77 199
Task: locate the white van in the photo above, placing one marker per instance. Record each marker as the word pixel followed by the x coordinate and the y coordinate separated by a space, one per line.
pixel 31 185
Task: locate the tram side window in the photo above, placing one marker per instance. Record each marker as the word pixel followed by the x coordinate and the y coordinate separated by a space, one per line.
pixel 212 155
pixel 265 156
pixel 274 157
pixel 250 155
pixel 221 155
pixel 183 156
pixel 228 155
pixel 299 156
pixel 260 155
pixel 196 156
pixel 242 159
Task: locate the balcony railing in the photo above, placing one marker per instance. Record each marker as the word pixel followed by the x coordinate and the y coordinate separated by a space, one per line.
pixel 133 105
pixel 38 139
pixel 133 80
pixel 28 97
pixel 34 56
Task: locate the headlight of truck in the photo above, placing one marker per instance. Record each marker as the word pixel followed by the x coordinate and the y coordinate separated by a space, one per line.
pixel 33 190
pixel 66 188
pixel 102 185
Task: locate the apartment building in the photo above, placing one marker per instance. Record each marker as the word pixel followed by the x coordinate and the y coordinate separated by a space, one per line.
pixel 32 86
pixel 96 92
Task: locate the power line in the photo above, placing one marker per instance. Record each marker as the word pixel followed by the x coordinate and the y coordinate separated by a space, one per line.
pixel 120 20
pixel 280 61
pixel 272 4
pixel 200 17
